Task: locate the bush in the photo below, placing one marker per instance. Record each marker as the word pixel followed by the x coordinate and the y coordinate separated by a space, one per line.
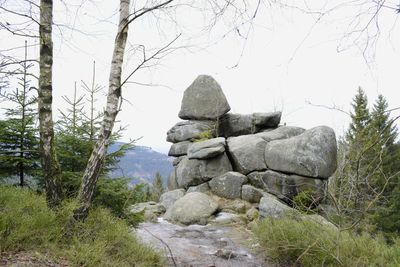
pixel 102 240
pixel 305 201
pixel 113 194
pixel 293 242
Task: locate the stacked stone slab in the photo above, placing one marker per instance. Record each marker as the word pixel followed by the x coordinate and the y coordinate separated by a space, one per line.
pixel 243 156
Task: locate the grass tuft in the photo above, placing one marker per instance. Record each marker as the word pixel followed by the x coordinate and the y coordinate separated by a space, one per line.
pixel 293 242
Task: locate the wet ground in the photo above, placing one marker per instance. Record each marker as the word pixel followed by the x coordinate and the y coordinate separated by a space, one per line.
pixel 202 246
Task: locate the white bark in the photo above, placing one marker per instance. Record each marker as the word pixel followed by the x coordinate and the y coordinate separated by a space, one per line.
pixel 98 155
pixel 50 166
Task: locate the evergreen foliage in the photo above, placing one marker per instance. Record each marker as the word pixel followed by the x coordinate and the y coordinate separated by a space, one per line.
pixel 158 188
pixel 365 183
pixel 18 133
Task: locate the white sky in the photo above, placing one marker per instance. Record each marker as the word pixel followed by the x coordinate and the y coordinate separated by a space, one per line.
pixel 284 66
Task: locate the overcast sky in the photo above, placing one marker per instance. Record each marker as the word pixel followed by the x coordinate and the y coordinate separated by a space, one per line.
pixel 286 62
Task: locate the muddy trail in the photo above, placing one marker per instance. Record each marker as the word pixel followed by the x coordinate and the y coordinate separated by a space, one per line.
pixel 214 244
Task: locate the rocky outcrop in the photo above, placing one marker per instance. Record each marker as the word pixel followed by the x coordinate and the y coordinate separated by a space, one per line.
pixel 202 188
pixel 171 183
pixel 238 124
pixel 206 149
pixel 287 186
pixel 228 185
pixel 192 172
pixel 247 153
pixel 203 100
pixel 251 193
pixel 190 130
pixel 179 149
pixel 193 208
pixel 282 132
pixel 167 199
pixel 270 206
pixel 313 153
pixel 242 161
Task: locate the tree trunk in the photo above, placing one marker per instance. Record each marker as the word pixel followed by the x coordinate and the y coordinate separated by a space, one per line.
pixel 50 166
pixel 98 155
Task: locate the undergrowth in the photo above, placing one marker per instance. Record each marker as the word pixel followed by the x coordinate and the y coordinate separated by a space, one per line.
pixel 293 242
pixel 26 224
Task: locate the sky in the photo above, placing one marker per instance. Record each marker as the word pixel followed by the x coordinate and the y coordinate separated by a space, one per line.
pixel 302 64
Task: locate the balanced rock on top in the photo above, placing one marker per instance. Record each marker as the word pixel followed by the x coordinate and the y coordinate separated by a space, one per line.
pixel 203 100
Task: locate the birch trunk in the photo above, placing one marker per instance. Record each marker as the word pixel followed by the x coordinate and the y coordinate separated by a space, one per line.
pixel 98 155
pixel 50 166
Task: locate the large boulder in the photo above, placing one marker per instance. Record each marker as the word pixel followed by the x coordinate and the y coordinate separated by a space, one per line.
pixel 179 149
pixel 203 100
pixel 251 193
pixel 236 205
pixel 191 172
pixel 247 153
pixel 228 185
pixel 168 198
pixel 206 149
pixel 312 153
pixel 190 130
pixel 238 124
pixel 193 208
pixel 270 206
pixel 285 186
pixel 151 210
pixel 282 132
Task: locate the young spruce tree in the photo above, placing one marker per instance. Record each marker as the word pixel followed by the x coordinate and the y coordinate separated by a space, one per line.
pixel 18 133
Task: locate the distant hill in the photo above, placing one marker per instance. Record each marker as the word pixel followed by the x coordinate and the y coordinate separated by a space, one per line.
pixel 141 164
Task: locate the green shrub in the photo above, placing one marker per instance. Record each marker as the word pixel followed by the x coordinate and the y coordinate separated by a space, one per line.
pixel 102 240
pixel 25 220
pixel 293 242
pixel 305 201
pixel 113 194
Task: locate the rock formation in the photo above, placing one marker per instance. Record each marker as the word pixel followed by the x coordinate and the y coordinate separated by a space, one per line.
pixel 249 157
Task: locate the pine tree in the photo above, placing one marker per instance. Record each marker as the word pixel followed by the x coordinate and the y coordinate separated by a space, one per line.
pixel 19 134
pixel 157 188
pixel 76 133
pixel 72 142
pixel 360 118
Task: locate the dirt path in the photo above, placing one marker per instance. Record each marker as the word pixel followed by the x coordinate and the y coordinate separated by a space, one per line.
pixel 201 246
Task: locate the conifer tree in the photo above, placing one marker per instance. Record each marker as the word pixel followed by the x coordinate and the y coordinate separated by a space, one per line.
pixel 18 134
pixel 386 176
pixel 157 188
pixel 357 154
pixel 364 184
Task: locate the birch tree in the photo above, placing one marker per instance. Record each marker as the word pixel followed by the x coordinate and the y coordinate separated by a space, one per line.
pixel 242 14
pixel 99 153
pixel 50 165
